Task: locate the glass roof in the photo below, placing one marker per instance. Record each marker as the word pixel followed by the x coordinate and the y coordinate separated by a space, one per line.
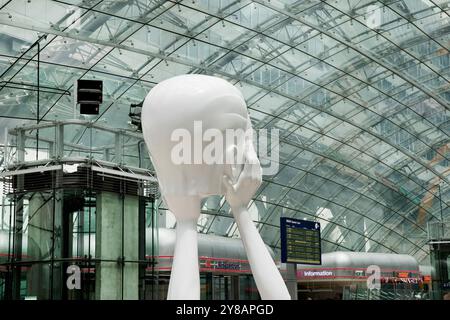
pixel 359 89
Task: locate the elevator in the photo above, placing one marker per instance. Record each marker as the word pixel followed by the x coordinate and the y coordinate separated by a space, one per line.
pixel 76 204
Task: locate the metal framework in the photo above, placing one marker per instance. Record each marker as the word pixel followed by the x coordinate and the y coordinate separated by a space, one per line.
pixel 360 91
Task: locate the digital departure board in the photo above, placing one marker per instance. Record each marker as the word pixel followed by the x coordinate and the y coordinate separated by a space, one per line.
pixel 300 241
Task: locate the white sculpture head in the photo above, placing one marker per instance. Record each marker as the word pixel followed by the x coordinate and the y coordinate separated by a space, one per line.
pixel 188 118
pixel 177 107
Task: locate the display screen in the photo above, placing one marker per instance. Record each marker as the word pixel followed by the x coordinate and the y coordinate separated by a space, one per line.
pixel 300 241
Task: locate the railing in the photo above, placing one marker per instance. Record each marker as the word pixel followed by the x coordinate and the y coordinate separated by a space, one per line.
pixel 65 144
pixel 75 139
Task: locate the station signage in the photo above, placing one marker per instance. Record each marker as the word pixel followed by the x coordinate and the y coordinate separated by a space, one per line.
pixel 359 273
pixel 228 265
pixel 300 241
pixel 222 265
pixel 321 273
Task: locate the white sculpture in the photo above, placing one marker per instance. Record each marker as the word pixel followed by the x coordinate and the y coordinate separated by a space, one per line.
pixel 184 107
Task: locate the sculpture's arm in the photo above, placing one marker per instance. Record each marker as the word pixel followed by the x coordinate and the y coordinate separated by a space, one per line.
pixel 185 279
pixel 268 279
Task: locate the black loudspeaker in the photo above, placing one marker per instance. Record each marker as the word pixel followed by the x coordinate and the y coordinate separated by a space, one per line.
pixel 89 95
pixel 89 108
pixel 135 115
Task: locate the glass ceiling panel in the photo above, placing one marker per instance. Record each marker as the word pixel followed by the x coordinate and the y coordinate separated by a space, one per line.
pixel 362 105
pixel 39 13
pixel 155 40
pixel 139 10
pixel 183 20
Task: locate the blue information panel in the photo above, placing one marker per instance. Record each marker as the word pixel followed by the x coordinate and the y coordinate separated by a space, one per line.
pixel 300 241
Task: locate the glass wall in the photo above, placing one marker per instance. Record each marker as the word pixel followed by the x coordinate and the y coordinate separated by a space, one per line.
pixel 55 242
pixel 359 91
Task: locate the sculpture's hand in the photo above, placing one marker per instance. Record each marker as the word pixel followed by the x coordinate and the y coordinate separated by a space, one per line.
pixel 242 186
pixel 238 194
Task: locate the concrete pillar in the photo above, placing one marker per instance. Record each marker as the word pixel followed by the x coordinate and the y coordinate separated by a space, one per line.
pixel 57 273
pixel 131 248
pixel 235 288
pixel 40 225
pixel 291 280
pixel 116 281
pixel 14 283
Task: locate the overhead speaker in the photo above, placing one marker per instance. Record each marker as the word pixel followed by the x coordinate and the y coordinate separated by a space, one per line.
pixel 135 115
pixel 89 108
pixel 89 95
